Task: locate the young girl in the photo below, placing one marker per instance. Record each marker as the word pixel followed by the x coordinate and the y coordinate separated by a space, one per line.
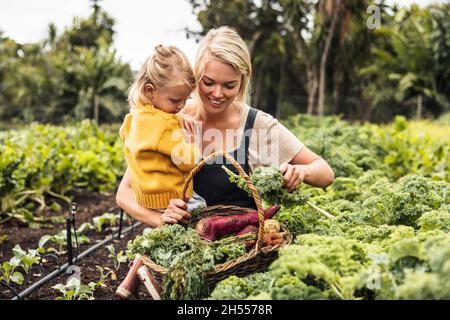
pixel 158 155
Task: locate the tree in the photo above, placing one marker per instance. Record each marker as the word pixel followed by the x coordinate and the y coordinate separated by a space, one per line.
pixel 100 76
pixel 298 34
pixel 66 76
pixel 275 62
pixel 408 61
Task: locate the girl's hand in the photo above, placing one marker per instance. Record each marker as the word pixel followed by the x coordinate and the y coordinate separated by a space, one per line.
pixel 188 124
pixel 189 129
pixel 176 212
pixel 293 175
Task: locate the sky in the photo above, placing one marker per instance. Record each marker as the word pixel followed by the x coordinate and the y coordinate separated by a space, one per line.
pixel 140 24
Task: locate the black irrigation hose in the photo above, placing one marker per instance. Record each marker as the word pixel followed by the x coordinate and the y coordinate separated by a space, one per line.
pixel 25 293
pixel 3 283
pixel 69 241
pixel 74 211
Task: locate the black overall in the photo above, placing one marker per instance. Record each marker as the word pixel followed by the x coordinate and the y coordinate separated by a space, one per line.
pixel 213 183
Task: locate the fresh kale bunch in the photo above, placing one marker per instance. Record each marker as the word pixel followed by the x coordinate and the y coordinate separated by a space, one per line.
pixel 163 244
pixel 186 276
pixel 187 256
pixel 269 183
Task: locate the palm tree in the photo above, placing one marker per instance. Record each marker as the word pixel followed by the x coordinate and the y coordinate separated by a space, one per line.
pixel 100 76
pixel 329 10
pixel 409 62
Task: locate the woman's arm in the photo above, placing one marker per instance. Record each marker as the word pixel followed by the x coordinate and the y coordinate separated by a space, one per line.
pixel 308 167
pixel 125 199
pixel 175 212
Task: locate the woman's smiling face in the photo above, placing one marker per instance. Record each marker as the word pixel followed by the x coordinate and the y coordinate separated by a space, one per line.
pixel 219 86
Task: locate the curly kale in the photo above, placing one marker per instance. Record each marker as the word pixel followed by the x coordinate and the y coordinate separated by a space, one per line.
pixel 187 256
pixel 186 276
pixel 433 280
pixel 435 220
pixel 226 252
pixel 236 288
pixel 403 202
pixel 269 183
pixel 421 285
pixel 292 288
pixel 414 196
pixel 390 238
pixel 163 244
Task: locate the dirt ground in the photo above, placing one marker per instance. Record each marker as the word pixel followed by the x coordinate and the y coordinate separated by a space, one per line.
pixel 89 206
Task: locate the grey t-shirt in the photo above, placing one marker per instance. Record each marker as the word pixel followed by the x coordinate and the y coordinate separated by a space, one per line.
pixel 271 143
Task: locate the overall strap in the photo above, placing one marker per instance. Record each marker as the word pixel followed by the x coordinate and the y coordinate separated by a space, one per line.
pixel 212 182
pixel 246 135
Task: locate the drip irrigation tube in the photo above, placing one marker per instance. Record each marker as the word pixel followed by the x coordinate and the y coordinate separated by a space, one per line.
pixel 64 267
pixel 3 283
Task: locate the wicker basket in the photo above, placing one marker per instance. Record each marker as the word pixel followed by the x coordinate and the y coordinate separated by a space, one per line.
pixel 256 260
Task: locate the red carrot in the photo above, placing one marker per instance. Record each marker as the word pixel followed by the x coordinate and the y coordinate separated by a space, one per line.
pixel 212 228
pixel 248 229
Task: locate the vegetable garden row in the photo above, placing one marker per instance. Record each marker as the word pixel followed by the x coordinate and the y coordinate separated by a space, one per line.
pixel 385 234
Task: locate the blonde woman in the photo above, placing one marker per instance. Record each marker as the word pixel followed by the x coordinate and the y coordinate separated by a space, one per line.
pixel 225 122
pixel 223 71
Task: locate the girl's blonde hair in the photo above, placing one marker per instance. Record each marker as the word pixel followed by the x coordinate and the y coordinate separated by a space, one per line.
pixel 159 70
pixel 225 45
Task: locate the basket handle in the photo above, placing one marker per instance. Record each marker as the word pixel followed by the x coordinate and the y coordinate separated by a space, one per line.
pixel 256 197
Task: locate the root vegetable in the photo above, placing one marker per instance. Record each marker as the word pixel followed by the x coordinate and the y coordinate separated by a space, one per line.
pixel 248 229
pixel 212 228
pixel 275 242
pixel 273 238
pixel 271 225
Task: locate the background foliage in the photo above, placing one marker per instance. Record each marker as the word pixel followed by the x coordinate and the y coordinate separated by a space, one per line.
pixel 315 57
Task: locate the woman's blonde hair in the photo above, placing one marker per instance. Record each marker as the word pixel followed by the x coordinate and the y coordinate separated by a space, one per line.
pixel 159 70
pixel 225 45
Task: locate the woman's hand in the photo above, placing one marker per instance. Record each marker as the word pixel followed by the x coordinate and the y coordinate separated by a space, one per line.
pixel 293 175
pixel 176 212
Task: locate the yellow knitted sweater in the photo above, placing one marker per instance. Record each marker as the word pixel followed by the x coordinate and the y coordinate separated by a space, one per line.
pixel 157 155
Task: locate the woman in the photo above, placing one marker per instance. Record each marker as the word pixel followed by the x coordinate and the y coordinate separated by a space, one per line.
pixel 223 69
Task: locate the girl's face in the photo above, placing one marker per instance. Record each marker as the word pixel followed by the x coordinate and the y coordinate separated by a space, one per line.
pixel 219 86
pixel 170 98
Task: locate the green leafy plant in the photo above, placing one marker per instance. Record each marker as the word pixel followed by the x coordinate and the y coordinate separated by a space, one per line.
pixel 21 259
pixel 75 290
pixel 118 258
pixel 106 220
pixel 269 183
pixel 41 163
pixel 187 256
pixel 60 239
